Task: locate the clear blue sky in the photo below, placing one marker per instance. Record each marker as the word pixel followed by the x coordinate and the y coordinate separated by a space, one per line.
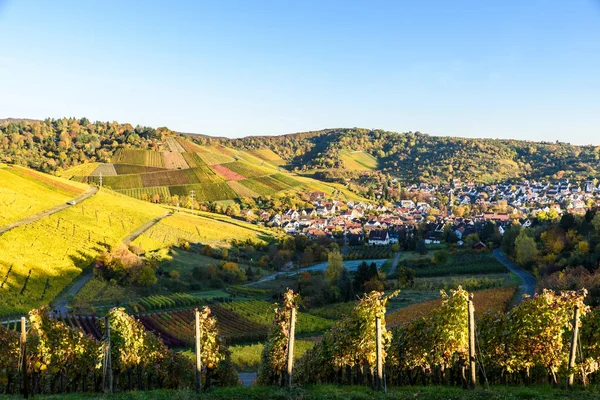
pixel 513 69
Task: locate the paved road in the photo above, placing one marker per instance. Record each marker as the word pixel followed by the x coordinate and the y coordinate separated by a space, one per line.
pixel 351 265
pixel 81 280
pixel 528 286
pixel 395 263
pixel 92 190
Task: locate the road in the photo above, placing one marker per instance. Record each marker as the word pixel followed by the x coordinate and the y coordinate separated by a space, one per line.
pixel 92 190
pixel 81 280
pixel 247 378
pixel 395 263
pixel 139 231
pixel 528 286
pixel 351 265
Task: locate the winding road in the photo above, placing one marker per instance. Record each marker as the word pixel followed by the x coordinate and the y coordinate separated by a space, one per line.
pixel 528 286
pixel 92 190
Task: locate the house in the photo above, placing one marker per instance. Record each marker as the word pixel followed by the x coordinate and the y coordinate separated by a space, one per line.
pixel 379 237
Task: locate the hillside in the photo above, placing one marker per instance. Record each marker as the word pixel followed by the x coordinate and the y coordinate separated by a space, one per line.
pixel 133 159
pixel 41 256
pixel 414 157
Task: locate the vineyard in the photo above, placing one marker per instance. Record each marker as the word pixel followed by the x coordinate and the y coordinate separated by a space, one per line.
pixel 24 195
pixel 41 258
pixel 214 173
pixel 459 264
pixel 531 343
pixel 194 229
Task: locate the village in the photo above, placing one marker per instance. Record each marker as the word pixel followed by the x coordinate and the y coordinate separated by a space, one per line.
pixel 461 208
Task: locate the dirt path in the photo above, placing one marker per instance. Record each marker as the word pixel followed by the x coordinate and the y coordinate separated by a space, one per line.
pixel 395 263
pixel 92 190
pixel 81 280
pixel 140 231
pixel 528 286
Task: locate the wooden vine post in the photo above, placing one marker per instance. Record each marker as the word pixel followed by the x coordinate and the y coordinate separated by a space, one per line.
pixel 23 365
pixel 573 351
pixel 198 349
pixel 108 375
pixel 472 364
pixel 290 350
pixel 379 354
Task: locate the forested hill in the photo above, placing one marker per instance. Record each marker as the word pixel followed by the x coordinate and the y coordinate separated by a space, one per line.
pixel 53 145
pixel 420 157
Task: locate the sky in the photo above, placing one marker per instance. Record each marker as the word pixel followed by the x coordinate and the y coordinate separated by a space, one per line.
pixel 501 69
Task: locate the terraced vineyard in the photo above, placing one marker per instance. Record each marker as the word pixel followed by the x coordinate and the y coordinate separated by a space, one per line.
pixel 24 193
pixel 215 173
pixel 40 259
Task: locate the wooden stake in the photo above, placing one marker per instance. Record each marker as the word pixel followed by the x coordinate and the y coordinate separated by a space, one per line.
pixel 198 352
pixel 379 344
pixel 25 383
pixel 573 347
pixel 291 338
pixel 472 359
pixel 108 376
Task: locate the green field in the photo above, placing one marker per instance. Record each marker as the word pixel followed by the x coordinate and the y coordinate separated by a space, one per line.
pixel 246 357
pixel 247 169
pixel 358 160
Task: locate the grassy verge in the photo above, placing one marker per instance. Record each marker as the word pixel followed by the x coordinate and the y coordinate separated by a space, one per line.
pixel 330 392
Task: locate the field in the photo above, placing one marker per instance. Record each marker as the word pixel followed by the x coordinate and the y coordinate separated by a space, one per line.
pixel 248 170
pixel 104 170
pixel 358 160
pixel 146 193
pixel 126 169
pixel 139 157
pixel 261 312
pixel 22 195
pixel 196 229
pixel 227 173
pixel 460 264
pixel 247 357
pixel 41 258
pixel 238 322
pixel 79 170
pixel 258 187
pixel 496 299
pixel 215 173
pixel 242 190
pixel 174 145
pixel 174 160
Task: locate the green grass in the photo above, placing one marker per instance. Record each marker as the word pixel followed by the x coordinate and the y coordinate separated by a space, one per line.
pixel 247 169
pixel 261 312
pixel 358 160
pixel 247 357
pixel 459 264
pixel 338 392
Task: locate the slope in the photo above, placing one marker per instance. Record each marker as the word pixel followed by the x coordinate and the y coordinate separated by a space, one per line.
pixel 24 192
